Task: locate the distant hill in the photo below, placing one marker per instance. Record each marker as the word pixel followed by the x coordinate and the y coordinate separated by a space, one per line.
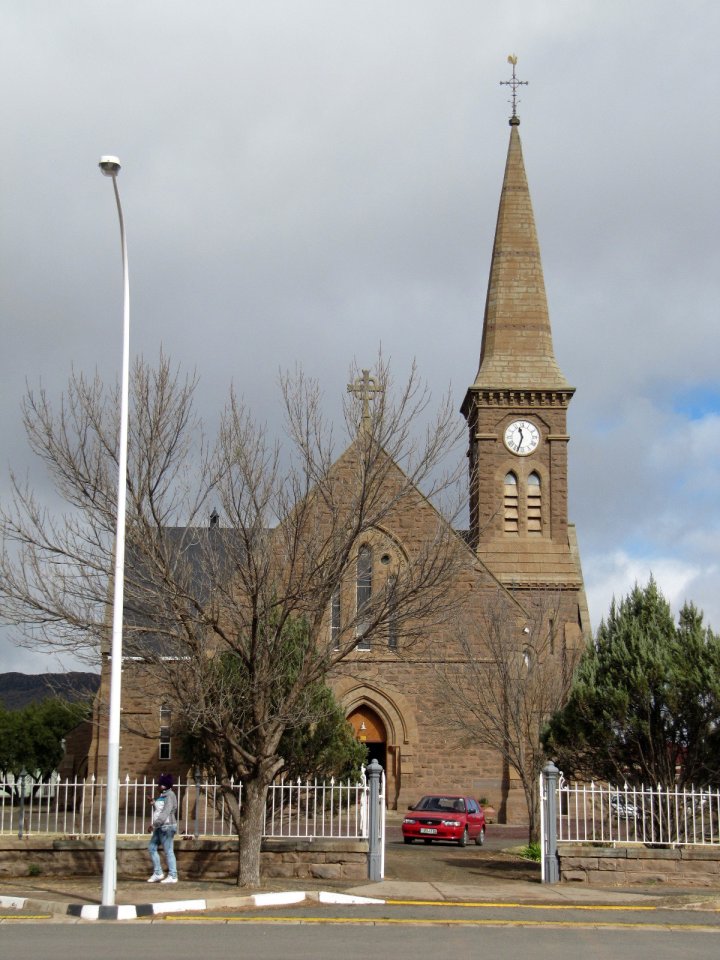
pixel 18 690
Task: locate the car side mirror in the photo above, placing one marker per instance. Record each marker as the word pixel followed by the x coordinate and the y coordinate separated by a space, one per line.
pixel 410 807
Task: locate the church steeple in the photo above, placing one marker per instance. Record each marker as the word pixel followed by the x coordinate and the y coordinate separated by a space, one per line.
pixel 516 410
pixel 517 350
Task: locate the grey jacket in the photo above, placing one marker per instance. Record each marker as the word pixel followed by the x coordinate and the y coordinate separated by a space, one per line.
pixel 165 810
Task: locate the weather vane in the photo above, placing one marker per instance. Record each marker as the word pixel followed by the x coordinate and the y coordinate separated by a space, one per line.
pixel 514 83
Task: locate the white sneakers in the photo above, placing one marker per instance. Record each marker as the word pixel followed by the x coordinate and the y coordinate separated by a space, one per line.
pixel 156 878
pixel 169 879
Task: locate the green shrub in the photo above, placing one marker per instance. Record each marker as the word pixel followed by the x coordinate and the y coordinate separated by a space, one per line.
pixel 532 852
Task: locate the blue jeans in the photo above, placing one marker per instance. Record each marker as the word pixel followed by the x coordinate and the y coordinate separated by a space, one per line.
pixel 163 836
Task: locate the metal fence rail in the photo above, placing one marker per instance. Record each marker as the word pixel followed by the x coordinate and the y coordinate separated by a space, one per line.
pixel 601 813
pixel 76 808
pixel 331 809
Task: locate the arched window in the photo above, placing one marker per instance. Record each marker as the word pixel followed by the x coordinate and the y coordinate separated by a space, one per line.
pixel 335 619
pixel 534 505
pixel 511 503
pixel 392 612
pixel 364 591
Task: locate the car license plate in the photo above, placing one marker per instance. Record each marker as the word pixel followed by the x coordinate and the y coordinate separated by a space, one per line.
pixel 428 830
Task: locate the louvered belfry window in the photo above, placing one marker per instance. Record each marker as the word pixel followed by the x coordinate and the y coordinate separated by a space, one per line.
pixel 510 501
pixel 534 505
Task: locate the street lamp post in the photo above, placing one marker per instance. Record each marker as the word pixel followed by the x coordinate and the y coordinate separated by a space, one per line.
pixel 110 167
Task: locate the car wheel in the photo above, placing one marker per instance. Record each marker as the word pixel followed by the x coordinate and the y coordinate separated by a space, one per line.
pixel 407 839
pixel 480 838
pixel 462 842
pixel 428 842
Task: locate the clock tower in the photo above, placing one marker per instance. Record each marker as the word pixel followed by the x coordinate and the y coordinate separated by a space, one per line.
pixel 516 411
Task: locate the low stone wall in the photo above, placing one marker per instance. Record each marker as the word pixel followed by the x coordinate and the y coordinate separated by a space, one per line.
pixel 624 866
pixel 197 859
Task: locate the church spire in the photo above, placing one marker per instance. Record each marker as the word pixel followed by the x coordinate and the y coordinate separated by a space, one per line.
pixel 516 412
pixel 517 351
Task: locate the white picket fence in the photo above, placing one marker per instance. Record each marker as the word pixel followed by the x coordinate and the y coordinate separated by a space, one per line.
pixel 76 808
pixel 601 813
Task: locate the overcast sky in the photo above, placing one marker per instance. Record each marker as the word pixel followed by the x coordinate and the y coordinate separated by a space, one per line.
pixel 303 181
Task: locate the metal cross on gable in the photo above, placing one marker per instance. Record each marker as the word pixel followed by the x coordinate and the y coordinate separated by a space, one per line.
pixel 365 387
pixel 514 83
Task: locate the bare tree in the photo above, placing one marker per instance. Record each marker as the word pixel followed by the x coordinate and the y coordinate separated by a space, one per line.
pixel 504 697
pixel 235 621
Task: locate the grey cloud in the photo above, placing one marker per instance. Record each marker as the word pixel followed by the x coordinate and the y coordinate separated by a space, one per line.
pixel 305 181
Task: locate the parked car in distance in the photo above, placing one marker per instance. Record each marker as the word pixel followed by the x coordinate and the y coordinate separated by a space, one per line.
pixel 444 817
pixel 623 808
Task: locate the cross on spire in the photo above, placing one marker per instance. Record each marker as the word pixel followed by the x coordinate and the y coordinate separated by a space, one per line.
pixel 364 388
pixel 514 83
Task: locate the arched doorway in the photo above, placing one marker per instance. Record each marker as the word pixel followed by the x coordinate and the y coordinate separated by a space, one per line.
pixel 394 724
pixel 370 730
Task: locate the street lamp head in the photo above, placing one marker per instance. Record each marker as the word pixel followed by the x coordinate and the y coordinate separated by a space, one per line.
pixel 110 166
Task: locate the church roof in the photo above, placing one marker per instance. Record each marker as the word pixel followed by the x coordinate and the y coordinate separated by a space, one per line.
pixel 517 351
pixel 201 559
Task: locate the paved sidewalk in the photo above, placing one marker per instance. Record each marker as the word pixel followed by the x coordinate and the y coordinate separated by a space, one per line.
pixel 135 899
pixel 498 876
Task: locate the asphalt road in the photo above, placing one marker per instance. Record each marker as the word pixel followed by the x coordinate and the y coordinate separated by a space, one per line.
pixel 328 941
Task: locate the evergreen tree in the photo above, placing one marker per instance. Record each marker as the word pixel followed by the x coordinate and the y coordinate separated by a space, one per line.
pixel 317 740
pixel 324 748
pixel 644 707
pixel 31 739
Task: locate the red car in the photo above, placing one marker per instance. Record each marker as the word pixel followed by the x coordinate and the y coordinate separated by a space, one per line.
pixel 444 817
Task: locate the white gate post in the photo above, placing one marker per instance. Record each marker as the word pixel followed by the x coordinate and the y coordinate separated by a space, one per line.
pixel 375 838
pixel 550 866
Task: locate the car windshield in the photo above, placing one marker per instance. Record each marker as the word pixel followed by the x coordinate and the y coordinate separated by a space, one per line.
pixel 442 804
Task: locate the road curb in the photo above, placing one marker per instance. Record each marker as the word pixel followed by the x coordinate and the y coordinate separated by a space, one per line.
pixel 122 911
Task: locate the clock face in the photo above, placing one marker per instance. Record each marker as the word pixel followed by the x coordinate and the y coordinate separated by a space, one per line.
pixel 522 437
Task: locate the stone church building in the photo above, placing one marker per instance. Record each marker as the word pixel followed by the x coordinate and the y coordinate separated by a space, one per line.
pixel 520 544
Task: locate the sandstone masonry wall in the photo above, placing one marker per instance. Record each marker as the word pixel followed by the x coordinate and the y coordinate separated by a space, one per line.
pixel 623 866
pixel 197 859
